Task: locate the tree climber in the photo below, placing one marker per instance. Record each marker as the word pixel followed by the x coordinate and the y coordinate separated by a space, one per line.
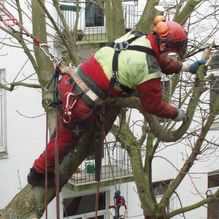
pixel 134 61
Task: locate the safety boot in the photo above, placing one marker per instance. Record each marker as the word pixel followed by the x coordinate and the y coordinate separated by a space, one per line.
pixel 36 178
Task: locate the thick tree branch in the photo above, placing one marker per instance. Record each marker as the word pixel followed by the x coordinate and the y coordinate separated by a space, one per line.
pixel 195 152
pixel 17 84
pixel 186 11
pixel 196 205
pixel 33 206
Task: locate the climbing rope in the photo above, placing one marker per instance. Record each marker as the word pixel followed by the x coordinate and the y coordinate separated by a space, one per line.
pixel 99 139
pixel 57 174
pixel 119 200
pixel 10 22
pixel 46 171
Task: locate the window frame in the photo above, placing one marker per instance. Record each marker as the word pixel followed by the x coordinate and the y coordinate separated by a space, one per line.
pixel 90 214
pixel 96 7
pixel 3 143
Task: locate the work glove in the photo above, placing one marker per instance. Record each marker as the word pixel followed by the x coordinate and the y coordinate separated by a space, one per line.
pixel 194 66
pixel 181 116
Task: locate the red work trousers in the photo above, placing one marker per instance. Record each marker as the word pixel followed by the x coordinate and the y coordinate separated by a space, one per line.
pixel 66 138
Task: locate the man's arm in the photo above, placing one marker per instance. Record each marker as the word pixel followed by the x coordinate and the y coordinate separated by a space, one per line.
pixel 170 65
pixel 150 94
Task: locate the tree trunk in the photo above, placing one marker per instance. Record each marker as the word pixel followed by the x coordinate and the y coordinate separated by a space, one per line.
pixel 146 21
pixel 29 202
pixel 114 15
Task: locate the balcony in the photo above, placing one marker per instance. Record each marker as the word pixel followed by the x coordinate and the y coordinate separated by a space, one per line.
pixel 91 20
pixel 116 168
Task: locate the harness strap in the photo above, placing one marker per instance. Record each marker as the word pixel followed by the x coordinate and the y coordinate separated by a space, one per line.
pixel 72 71
pixel 125 45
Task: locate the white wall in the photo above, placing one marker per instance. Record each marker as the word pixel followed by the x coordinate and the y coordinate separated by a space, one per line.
pixel 26 140
pixel 25 136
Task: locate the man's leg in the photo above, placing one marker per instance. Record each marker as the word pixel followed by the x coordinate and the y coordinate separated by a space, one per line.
pixel 65 140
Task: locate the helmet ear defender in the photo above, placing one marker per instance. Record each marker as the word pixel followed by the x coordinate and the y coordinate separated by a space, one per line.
pixel 160 26
pixel 171 33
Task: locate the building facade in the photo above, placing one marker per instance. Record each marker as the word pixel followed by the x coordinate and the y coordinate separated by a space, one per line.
pixel 23 133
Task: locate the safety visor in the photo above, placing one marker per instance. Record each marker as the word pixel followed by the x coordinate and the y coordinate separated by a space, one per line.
pixel 179 47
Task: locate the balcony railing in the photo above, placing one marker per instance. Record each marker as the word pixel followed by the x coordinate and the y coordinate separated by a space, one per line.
pixel 115 165
pixel 92 32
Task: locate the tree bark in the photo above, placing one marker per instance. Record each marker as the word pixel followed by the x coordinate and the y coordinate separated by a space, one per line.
pixel 114 15
pixel 29 203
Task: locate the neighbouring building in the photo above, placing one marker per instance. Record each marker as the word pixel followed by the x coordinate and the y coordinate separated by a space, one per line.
pixel 23 133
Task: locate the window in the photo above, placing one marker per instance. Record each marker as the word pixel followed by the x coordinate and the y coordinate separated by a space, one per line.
pixel 213 181
pixel 84 206
pixel 2 116
pixel 70 15
pixel 159 188
pixel 93 15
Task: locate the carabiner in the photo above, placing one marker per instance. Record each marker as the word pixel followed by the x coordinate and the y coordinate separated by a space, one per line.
pixel 69 105
pixel 45 49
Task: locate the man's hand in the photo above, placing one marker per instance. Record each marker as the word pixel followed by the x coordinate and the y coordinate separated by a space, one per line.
pixel 194 66
pixel 181 116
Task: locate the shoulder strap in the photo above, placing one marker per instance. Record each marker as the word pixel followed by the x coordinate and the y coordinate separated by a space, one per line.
pixel 118 46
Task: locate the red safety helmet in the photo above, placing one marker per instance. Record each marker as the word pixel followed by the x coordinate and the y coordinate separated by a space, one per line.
pixel 171 33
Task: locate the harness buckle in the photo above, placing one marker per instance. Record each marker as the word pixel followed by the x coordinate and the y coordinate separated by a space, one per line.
pixel 121 46
pixel 115 76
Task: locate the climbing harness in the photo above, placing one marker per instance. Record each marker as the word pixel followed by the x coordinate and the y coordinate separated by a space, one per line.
pixel 125 45
pixel 119 202
pixel 79 90
pixel 81 85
